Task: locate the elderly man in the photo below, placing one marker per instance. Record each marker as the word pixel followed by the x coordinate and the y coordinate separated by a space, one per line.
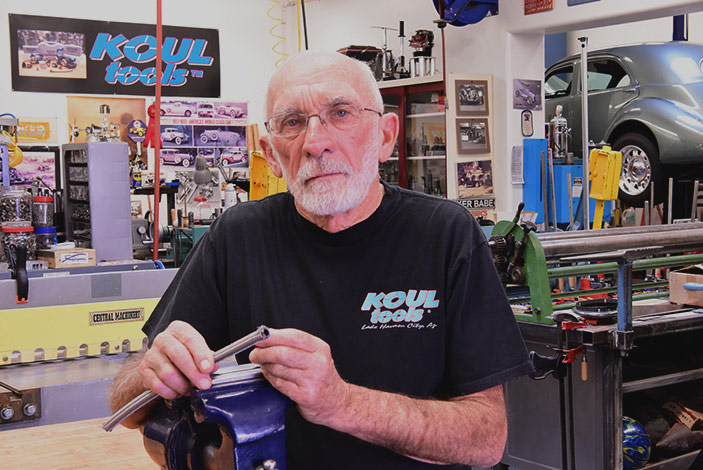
pixel 392 333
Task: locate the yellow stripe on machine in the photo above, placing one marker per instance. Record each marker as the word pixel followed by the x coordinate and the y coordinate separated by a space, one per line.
pixel 68 331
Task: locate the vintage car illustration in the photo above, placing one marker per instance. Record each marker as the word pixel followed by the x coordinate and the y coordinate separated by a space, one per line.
pixel 177 108
pixel 172 134
pixel 229 110
pixel 219 135
pixel 228 157
pixel 206 110
pixel 645 100
pixel 176 157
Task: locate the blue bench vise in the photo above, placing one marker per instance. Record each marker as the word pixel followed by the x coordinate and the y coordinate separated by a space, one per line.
pixel 238 424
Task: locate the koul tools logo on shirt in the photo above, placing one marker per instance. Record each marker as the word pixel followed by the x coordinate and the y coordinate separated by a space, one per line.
pixel 399 306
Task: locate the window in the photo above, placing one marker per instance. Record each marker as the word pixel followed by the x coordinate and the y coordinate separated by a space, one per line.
pixel 605 74
pixel 558 83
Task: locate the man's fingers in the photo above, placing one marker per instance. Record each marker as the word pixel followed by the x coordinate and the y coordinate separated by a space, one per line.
pixel 290 357
pixel 168 383
pixel 203 357
pixel 292 338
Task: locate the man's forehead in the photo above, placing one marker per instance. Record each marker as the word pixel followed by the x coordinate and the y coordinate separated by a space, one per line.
pixel 311 97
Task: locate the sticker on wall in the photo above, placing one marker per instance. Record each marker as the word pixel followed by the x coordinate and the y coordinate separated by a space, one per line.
pixel 36 130
pixel 527 94
pixel 67 55
pixel 538 6
pixel 526 124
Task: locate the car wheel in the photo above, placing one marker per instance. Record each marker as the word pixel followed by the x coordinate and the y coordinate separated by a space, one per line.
pixel 161 160
pixel 187 113
pixel 186 163
pixel 204 139
pixel 233 114
pixel 177 160
pixel 177 140
pixel 640 167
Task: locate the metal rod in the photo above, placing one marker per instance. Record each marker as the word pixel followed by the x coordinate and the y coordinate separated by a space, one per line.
pixel 650 295
pixel 584 131
pixel 647 212
pixel 260 334
pixel 571 201
pixel 617 231
pixel 669 211
pixel 552 184
pixel 651 204
pixel 543 172
pixel 611 267
pixel 694 204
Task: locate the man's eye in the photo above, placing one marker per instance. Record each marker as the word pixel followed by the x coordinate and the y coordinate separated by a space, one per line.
pixel 291 122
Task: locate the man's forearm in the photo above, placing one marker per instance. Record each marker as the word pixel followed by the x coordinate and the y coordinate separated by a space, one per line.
pixel 127 385
pixel 470 430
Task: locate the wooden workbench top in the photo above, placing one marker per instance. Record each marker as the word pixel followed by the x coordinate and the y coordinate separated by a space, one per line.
pixel 79 445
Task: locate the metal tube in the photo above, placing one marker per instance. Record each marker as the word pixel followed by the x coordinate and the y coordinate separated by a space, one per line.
pixel 694 204
pixel 611 267
pixel 260 334
pixel 671 200
pixel 669 241
pixel 543 172
pixel 571 202
pixel 543 237
pixel 584 131
pixel 647 212
pixel 651 204
pixel 552 184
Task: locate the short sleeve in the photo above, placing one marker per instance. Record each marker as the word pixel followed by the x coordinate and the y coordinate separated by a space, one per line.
pixel 484 345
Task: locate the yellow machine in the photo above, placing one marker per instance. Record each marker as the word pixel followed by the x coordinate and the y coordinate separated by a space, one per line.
pixel 604 174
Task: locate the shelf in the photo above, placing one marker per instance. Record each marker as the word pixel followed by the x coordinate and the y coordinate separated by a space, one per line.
pixel 662 380
pixel 424 115
pixel 426 157
pixel 681 462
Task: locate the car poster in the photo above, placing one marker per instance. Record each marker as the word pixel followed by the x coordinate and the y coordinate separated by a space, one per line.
pixel 527 94
pixel 213 129
pixel 38 163
pixel 66 55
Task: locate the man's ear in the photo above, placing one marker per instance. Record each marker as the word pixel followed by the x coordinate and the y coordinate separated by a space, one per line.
pixel 388 130
pixel 270 157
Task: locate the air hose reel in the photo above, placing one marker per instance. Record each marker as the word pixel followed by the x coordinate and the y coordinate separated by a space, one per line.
pixel 465 12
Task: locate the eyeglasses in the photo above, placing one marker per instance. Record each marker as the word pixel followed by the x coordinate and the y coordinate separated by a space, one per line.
pixel 340 116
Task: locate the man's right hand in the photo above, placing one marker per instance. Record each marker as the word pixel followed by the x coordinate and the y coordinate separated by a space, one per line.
pixel 178 359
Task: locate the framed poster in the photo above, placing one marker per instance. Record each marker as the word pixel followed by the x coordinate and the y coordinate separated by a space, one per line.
pixel 37 162
pixel 475 180
pixel 472 136
pixel 472 97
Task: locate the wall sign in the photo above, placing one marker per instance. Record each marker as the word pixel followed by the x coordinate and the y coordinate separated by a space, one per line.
pixel 537 6
pixel 67 55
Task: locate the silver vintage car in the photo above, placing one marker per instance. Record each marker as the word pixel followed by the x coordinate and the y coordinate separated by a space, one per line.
pixel 645 100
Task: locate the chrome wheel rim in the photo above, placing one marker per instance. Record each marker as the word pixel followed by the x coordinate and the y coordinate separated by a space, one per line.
pixel 636 174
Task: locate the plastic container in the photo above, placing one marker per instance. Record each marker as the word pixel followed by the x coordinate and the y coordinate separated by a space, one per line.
pixel 45 237
pixel 14 237
pixel 203 211
pixel 15 208
pixel 43 212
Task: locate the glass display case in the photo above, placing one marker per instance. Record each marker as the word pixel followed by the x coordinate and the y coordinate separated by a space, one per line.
pixel 419 160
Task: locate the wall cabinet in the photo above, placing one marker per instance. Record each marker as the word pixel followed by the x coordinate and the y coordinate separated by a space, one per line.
pixel 419 161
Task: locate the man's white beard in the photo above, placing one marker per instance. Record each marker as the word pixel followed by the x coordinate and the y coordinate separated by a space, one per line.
pixel 324 198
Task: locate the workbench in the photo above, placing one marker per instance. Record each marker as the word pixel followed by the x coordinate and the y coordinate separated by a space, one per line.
pixel 534 441
pixel 75 445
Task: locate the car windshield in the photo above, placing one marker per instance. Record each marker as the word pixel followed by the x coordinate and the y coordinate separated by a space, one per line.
pixel 558 82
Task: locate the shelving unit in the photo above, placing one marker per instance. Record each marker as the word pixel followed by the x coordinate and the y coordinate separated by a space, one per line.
pixel 96 198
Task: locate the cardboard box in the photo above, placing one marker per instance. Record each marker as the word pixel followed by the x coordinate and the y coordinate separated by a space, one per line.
pixel 67 257
pixel 685 415
pixel 677 279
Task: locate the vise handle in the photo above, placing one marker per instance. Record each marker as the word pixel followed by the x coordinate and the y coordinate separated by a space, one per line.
pixel 242 344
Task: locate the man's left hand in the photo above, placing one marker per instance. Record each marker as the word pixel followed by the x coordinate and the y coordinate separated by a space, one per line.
pixel 300 366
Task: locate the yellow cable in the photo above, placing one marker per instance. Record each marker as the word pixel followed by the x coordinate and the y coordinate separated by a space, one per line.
pixel 282 39
pixel 14 151
pixel 297 9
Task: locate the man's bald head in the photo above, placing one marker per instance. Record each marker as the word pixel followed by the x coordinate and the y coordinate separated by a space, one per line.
pixel 304 67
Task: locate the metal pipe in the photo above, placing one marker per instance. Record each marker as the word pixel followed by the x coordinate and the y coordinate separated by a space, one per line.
pixel 611 267
pixel 584 131
pixel 694 204
pixel 552 184
pixel 543 172
pixel 647 212
pixel 543 237
pixel 649 295
pixel 571 202
pixel 669 217
pixel 670 241
pixel 242 344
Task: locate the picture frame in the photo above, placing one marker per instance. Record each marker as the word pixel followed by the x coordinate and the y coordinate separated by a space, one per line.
pixel 474 180
pixel 471 97
pixel 38 160
pixel 472 136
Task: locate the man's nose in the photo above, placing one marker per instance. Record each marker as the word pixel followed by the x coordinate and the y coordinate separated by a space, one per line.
pixel 316 136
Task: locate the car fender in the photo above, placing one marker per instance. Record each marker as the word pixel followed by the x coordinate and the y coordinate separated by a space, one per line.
pixel 676 129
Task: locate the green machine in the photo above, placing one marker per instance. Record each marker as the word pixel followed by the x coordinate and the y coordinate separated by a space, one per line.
pixel 534 260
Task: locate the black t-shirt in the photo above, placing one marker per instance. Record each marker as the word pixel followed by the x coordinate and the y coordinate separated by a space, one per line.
pixel 408 300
